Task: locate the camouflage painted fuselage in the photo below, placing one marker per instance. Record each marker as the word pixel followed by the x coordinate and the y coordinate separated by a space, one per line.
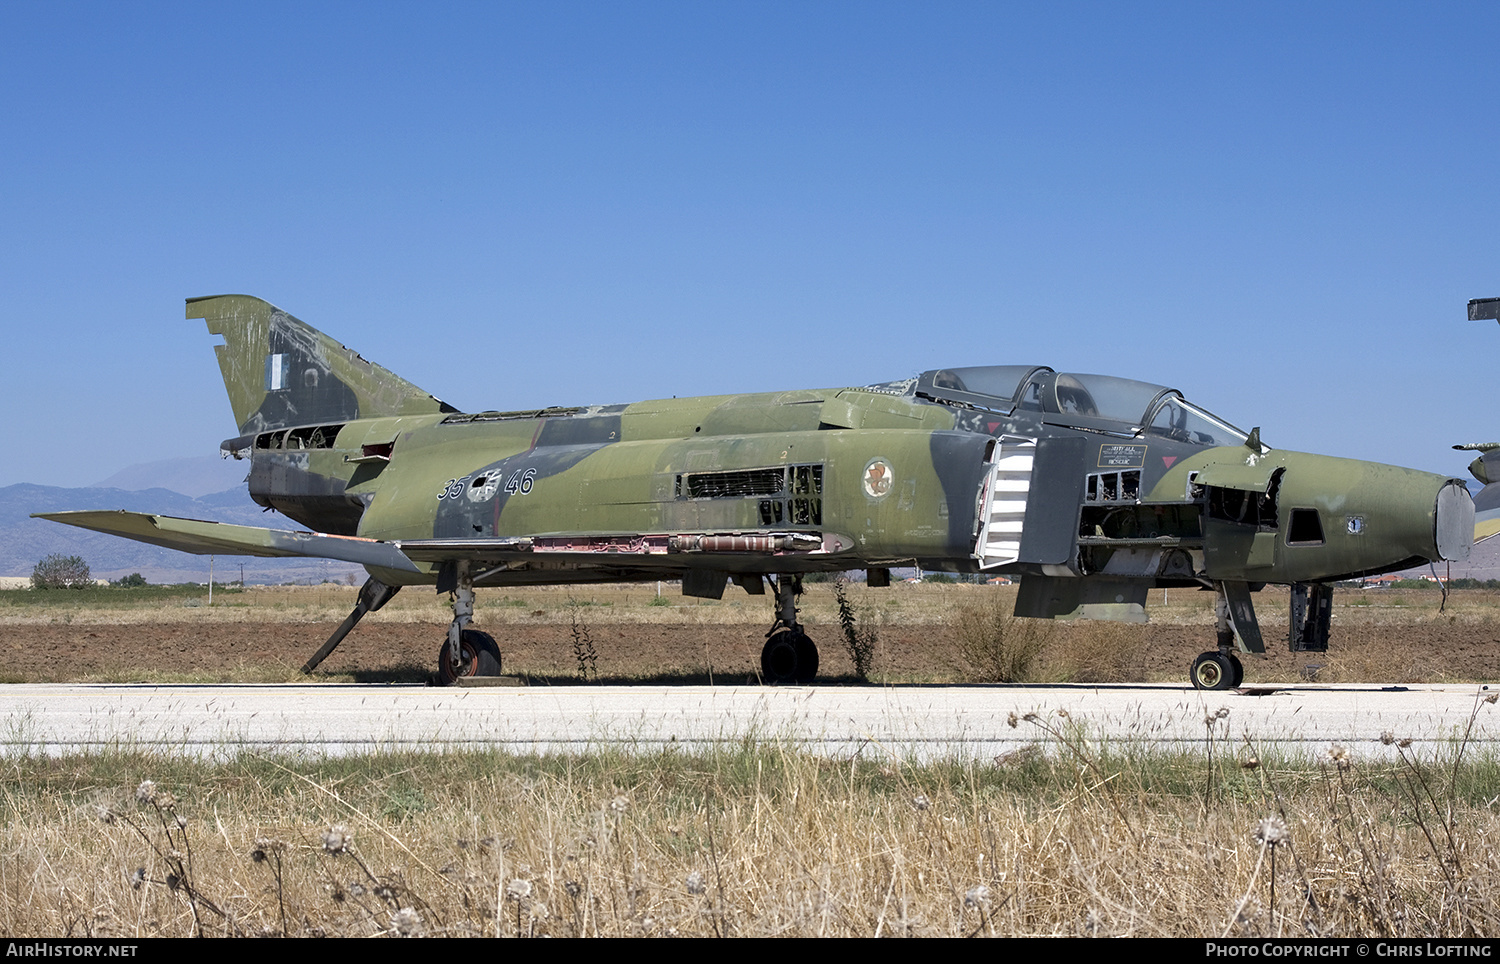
pixel 1093 488
pixel 1094 506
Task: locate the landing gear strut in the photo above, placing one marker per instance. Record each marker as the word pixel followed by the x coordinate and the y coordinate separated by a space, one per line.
pixel 789 656
pixel 466 652
pixel 372 595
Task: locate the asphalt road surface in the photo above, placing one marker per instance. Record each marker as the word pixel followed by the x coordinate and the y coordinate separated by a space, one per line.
pixel 908 721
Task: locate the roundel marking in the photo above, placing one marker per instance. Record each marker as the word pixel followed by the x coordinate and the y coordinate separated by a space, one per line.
pixel 878 478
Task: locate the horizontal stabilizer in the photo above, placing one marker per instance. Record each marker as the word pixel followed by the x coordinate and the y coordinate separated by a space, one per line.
pixel 219 538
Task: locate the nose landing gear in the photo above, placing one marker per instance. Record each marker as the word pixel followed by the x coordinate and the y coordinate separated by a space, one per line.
pixel 1217 671
pixel 1235 622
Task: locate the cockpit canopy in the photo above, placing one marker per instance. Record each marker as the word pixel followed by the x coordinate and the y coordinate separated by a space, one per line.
pixel 1091 402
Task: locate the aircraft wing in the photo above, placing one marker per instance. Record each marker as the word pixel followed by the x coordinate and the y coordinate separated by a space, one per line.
pixel 220 538
pixel 633 551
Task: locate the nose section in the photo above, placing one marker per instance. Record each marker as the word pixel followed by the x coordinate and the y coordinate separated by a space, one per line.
pixel 1375 518
pixel 1290 517
pixel 1412 515
pixel 1455 521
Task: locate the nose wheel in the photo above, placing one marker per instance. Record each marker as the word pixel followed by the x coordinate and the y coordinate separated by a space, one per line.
pixel 1234 625
pixel 1217 671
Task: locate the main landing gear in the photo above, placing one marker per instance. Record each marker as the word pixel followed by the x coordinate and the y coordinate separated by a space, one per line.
pixel 478 655
pixel 466 652
pixel 789 656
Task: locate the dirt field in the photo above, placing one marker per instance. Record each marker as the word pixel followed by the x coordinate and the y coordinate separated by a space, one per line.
pixel 266 635
pixel 708 652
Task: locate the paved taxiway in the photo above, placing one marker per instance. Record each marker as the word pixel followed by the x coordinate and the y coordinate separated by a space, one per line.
pixel 926 722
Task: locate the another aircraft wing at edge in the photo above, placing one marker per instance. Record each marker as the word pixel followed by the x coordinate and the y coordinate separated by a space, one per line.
pixel 587 550
pixel 1486 513
pixel 1487 501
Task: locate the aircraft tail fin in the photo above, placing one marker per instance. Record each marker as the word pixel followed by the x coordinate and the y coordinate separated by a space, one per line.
pixel 282 372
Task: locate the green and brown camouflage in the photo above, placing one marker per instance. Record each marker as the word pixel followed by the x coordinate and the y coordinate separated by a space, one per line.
pixel 279 371
pixel 1093 489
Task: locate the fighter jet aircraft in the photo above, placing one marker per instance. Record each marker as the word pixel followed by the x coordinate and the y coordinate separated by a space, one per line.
pixel 1093 489
pixel 1485 468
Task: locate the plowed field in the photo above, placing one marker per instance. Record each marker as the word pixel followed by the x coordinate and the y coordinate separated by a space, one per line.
pixel 265 635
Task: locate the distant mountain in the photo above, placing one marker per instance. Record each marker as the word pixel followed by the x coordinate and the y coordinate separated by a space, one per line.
pixel 196 476
pixel 24 541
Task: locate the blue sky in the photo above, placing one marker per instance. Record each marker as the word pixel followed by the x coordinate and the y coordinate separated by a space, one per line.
pixel 1280 209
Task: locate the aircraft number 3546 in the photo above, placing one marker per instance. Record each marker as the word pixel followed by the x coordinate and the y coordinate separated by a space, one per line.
pixel 520 482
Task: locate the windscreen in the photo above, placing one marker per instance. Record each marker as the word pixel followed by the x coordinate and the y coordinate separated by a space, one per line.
pixel 1177 419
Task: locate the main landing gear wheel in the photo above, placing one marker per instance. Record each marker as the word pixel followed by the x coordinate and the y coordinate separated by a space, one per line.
pixel 477 656
pixel 1216 671
pixel 1239 672
pixel 789 657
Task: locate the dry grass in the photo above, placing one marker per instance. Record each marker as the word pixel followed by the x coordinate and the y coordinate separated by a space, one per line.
pixel 907 604
pixel 996 647
pixel 1088 651
pixel 1066 837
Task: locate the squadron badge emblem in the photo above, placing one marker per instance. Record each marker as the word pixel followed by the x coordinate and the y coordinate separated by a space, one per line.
pixel 878 478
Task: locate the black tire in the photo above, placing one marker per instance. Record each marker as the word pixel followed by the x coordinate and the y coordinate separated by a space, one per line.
pixel 477 656
pixel 807 659
pixel 1212 671
pixel 789 657
pixel 1239 672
